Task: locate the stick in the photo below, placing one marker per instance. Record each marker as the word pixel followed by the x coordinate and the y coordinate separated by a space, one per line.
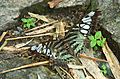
pixel 37 64
pixel 40 31
pixel 91 58
pixel 11 49
pixel 5 43
pixel 75 66
pixel 30 36
pixel 25 66
pixel 3 35
pixel 66 72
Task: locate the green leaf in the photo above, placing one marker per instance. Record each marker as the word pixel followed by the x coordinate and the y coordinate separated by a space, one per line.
pixel 28 25
pixel 91 37
pixel 104 72
pixel 99 42
pixel 95 48
pixel 104 39
pixel 24 26
pixel 24 20
pixel 31 20
pixel 98 35
pixel 104 67
pixel 93 43
pixel 32 24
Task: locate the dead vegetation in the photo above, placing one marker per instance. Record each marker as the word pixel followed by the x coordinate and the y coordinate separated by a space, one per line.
pixel 73 58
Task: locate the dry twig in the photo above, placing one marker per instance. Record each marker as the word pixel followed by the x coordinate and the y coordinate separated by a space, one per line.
pixel 12 49
pixel 41 30
pixel 26 66
pixel 66 73
pixel 17 38
pixel 37 64
pixel 91 58
pixel 2 36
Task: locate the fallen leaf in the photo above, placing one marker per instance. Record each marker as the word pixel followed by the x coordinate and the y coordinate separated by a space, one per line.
pixel 112 60
pixel 54 3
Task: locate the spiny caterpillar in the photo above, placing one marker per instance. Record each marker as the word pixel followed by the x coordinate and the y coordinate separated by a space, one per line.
pixel 86 22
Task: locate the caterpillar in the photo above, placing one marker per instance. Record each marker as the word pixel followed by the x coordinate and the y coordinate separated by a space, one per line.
pixel 86 22
pixel 57 50
pixel 42 49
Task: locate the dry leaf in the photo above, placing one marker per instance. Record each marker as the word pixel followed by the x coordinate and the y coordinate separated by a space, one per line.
pixel 112 60
pixel 77 74
pixel 54 3
pixel 62 29
pixel 92 67
pixel 39 17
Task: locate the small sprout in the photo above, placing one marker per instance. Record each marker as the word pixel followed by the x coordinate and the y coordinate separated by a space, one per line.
pixel 93 43
pixel 98 35
pixel 104 69
pixel 97 40
pixel 28 22
pixel 91 37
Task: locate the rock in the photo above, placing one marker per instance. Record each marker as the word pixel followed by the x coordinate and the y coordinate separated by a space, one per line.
pixel 27 73
pixel 111 20
pixel 9 9
pixel 67 3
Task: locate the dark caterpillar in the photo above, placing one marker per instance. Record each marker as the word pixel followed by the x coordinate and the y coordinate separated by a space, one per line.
pixel 86 22
pixel 73 38
pixel 42 49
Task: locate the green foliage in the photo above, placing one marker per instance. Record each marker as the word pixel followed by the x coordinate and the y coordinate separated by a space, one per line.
pixel 28 22
pixel 104 69
pixel 97 39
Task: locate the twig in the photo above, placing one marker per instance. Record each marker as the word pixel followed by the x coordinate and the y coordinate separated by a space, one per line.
pixel 23 44
pixel 11 49
pixel 26 66
pixel 66 72
pixel 41 26
pixel 74 73
pixel 91 58
pixel 37 64
pixel 76 66
pixel 5 42
pixel 40 31
pixel 8 39
pixel 59 72
pixel 54 3
pixel 2 36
